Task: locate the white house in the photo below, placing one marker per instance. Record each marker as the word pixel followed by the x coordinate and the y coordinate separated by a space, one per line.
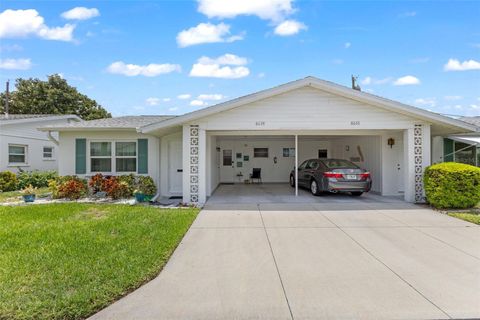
pixel 22 146
pixel 274 129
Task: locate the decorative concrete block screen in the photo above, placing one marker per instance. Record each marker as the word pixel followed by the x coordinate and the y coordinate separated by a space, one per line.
pixel 194 136
pixel 418 160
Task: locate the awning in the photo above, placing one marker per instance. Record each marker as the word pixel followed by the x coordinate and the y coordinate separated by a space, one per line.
pixel 475 140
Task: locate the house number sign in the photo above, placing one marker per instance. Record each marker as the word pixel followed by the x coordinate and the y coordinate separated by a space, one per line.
pixel 260 123
pixel 354 123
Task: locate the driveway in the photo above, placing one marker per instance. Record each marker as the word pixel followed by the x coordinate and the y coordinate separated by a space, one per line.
pixel 351 260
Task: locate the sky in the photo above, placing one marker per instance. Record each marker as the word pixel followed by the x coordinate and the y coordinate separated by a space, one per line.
pixel 174 57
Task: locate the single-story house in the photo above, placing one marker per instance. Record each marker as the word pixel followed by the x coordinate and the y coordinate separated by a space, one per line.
pixel 274 130
pixel 22 147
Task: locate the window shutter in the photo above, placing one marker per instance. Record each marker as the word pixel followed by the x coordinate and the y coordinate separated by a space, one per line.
pixel 80 156
pixel 448 155
pixel 142 156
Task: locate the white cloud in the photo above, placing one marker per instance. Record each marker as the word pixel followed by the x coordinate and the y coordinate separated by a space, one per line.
pixel 370 80
pixel 453 98
pixel 337 61
pixel 184 96
pixel 456 65
pixel 15 64
pixel 24 23
pixel 289 28
pixel 426 102
pixel 261 75
pixel 274 10
pixel 166 99
pixel 152 101
pixel 220 67
pixel 81 13
pixel 406 80
pixel 173 109
pixel 198 103
pixel 206 33
pixel 214 96
pixel 8 48
pixel 347 45
pixel 150 70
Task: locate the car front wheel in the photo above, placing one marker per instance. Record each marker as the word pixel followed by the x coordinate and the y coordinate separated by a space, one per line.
pixel 314 189
pixel 292 181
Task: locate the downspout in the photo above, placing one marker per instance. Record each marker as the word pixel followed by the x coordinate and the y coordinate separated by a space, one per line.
pixel 52 138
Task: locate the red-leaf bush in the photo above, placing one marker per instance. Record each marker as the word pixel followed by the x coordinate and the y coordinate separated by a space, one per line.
pixel 71 187
pixel 97 182
pixel 115 188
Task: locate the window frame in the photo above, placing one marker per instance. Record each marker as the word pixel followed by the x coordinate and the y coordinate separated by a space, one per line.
pixel 52 158
pixel 126 157
pixel 25 154
pixel 255 155
pixel 112 157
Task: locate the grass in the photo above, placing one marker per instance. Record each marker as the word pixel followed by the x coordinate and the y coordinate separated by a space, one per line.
pixel 472 217
pixel 13 196
pixel 67 261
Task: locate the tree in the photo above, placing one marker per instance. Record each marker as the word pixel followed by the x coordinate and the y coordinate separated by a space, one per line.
pixel 54 96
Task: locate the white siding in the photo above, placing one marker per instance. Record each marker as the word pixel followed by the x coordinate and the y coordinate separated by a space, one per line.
pixel 26 133
pixel 305 109
pixel 66 165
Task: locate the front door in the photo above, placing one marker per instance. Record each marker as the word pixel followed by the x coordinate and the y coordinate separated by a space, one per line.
pixel 227 166
pixel 175 164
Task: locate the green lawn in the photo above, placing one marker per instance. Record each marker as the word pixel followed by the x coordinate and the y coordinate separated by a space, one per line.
pixel 67 261
pixel 472 217
pixel 13 196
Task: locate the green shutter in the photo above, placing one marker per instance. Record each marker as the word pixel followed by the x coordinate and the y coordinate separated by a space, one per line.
pixel 142 156
pixel 80 156
pixel 448 150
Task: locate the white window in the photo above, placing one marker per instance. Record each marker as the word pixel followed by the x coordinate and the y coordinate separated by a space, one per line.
pixel 17 154
pixel 47 153
pixel 126 156
pixel 113 156
pixel 100 156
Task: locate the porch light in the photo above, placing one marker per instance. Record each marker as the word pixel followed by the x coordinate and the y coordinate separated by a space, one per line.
pixel 391 142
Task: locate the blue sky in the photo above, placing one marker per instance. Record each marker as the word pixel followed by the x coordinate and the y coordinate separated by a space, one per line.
pixel 172 57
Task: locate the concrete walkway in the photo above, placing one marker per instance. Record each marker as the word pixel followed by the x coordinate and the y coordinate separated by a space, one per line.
pixel 315 261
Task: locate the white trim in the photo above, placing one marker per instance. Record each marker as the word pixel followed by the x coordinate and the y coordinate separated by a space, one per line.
pixel 112 157
pixel 321 85
pixel 25 154
pixel 52 158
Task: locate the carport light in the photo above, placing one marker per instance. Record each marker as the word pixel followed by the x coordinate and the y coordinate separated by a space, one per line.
pixel 391 142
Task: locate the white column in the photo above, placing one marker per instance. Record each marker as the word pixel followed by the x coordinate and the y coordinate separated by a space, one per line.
pixel 296 165
pixel 202 166
pixel 186 164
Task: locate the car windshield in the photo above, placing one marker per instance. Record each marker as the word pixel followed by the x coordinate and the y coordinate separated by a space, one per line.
pixel 339 164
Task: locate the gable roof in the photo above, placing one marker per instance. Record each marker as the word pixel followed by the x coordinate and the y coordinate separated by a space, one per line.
pixel 21 118
pixel 313 82
pixel 124 122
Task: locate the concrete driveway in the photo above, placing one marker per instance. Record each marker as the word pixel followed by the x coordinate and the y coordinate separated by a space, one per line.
pixel 349 260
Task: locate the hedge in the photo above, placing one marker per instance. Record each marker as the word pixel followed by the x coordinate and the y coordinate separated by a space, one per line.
pixel 451 185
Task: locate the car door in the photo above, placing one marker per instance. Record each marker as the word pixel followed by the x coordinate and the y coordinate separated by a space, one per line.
pixel 309 171
pixel 301 169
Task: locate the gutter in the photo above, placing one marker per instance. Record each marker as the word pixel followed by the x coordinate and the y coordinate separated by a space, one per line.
pixel 51 138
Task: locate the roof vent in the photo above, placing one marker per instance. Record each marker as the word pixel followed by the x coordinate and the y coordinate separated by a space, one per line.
pixel 355 85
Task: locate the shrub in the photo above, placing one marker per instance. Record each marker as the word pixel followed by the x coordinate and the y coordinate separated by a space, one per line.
pixel 452 185
pixel 146 185
pixel 96 183
pixel 38 179
pixel 131 182
pixel 115 188
pixel 70 187
pixel 8 181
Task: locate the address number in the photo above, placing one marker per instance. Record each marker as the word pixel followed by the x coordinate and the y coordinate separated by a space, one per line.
pixel 354 123
pixel 260 123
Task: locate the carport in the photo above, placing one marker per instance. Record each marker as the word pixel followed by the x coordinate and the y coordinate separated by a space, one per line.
pixel 231 159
